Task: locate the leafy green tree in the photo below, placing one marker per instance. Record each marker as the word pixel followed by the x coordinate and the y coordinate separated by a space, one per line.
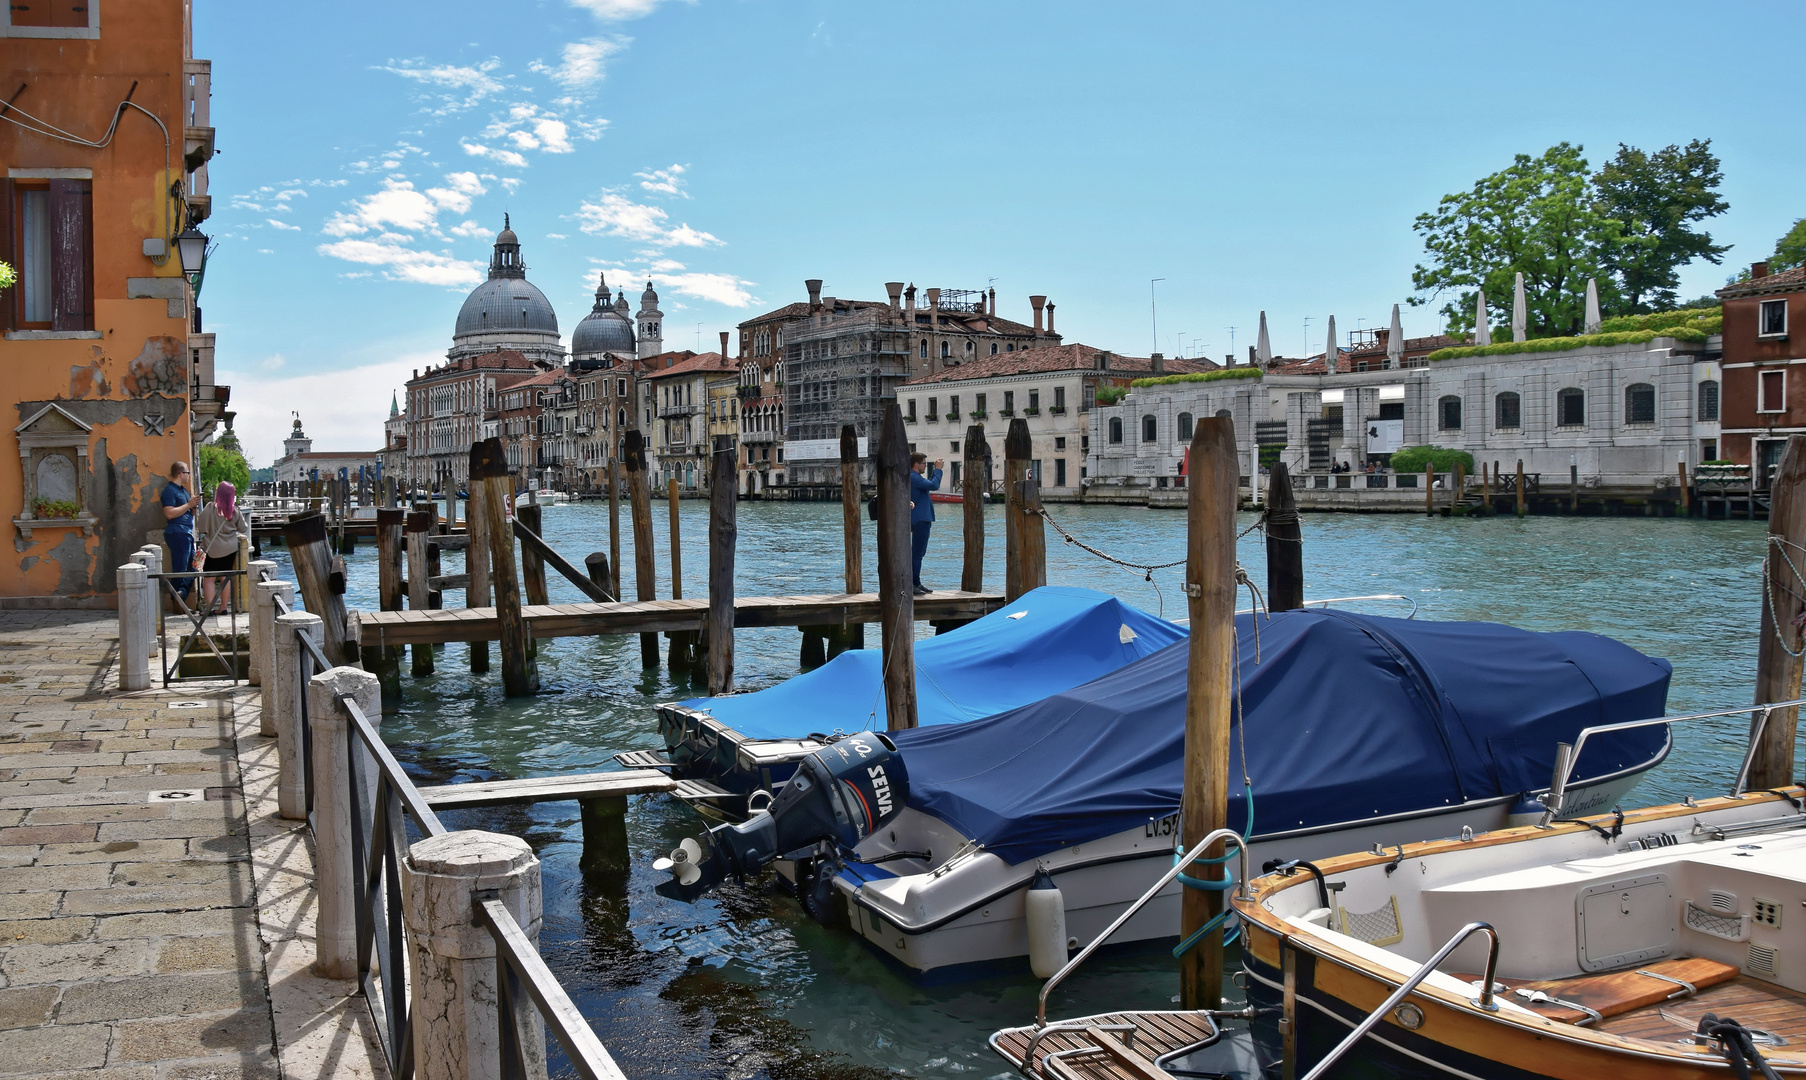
pixel 7 275
pixel 220 462
pixel 1657 199
pixel 1539 216
pixel 1790 250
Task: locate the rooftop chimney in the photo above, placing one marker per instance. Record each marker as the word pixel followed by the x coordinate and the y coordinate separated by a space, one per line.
pixel 1050 318
pixel 1759 269
pixel 1037 302
pixel 1253 358
pixel 909 298
pixel 895 289
pixel 1229 359
pixel 1159 363
pixel 934 300
pixel 417 373
pixel 814 286
pixel 991 308
pixel 724 344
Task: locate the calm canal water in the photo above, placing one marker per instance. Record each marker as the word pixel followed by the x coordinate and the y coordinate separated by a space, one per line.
pixel 744 985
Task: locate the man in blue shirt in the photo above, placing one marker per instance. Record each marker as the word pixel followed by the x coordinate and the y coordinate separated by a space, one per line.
pixel 178 524
pixel 921 510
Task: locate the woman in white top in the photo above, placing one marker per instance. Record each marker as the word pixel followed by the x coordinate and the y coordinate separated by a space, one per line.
pixel 218 527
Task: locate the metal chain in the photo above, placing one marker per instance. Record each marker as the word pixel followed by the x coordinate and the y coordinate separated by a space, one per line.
pixel 1146 568
pixel 1780 546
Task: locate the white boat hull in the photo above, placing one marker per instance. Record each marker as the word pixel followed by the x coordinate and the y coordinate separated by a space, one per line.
pixel 970 909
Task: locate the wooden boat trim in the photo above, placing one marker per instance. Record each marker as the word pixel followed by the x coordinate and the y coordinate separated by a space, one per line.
pixel 1569 1050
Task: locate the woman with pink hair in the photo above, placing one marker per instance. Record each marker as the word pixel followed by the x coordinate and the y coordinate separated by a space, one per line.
pixel 219 525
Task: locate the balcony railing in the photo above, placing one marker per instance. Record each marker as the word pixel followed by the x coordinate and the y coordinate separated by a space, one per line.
pixel 666 411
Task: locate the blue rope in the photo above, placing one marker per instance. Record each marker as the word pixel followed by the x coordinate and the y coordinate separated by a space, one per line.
pixel 1219 885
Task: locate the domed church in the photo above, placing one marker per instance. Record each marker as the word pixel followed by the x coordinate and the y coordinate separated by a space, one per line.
pixel 507 311
pixel 607 334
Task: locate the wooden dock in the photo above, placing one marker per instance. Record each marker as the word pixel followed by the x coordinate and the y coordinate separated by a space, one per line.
pixel 433 627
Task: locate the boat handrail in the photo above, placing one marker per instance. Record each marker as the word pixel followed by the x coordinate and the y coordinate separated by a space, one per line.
pixel 1179 865
pixel 1565 765
pixel 1337 600
pixel 1484 1001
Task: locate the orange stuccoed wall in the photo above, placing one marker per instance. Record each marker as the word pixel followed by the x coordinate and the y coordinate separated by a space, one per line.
pixel 128 378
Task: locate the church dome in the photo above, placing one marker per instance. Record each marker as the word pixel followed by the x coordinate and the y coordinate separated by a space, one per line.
pixel 506 303
pixel 604 329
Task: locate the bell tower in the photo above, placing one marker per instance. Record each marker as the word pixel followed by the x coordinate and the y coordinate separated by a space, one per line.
pixel 650 320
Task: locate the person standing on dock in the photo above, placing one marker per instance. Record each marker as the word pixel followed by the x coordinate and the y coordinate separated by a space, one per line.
pixel 178 524
pixel 220 524
pixel 921 510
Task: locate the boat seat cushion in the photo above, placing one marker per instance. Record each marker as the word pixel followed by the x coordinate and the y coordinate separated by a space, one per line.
pixel 1617 992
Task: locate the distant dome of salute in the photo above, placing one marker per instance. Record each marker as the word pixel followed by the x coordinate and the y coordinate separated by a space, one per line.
pixel 507 311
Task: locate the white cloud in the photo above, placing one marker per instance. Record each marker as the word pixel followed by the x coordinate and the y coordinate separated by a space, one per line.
pixel 454 88
pixel 665 181
pixel 616 215
pixel 402 263
pixel 265 251
pixel 343 410
pixel 671 278
pixel 284 226
pixel 684 236
pixel 506 157
pixel 553 135
pixel 274 363
pixel 582 64
pixel 556 236
pixel 459 189
pixel 469 229
pixel 398 205
pixel 617 10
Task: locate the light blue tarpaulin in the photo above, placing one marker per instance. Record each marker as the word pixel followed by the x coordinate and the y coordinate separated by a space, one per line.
pixel 1049 640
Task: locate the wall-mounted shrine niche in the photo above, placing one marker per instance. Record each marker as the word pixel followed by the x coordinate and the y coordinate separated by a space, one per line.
pixel 53 453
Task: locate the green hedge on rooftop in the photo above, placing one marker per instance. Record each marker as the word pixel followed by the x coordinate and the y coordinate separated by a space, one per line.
pixel 1200 376
pixel 1581 341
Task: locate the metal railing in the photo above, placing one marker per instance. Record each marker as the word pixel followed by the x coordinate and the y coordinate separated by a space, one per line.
pixel 1484 1001
pixel 197 618
pixel 1567 756
pixel 381 927
pixel 1179 865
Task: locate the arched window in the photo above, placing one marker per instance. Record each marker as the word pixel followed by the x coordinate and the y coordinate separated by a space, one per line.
pixel 1708 400
pixel 1116 429
pixel 1150 428
pixel 924 348
pixel 946 349
pixel 1225 414
pixel 993 348
pixel 1506 413
pixel 1639 403
pixel 1185 427
pixel 1571 407
pixel 1448 412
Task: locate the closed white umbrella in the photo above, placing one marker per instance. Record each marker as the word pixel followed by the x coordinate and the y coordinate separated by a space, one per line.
pixel 1395 342
pixel 1593 320
pixel 1519 319
pixel 1263 348
pixel 1482 331
pixel 1329 351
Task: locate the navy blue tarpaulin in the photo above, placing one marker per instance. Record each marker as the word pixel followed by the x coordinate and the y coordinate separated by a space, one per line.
pixel 1050 639
pixel 1348 717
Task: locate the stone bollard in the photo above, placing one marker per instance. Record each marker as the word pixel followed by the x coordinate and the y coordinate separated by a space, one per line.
pixel 454 1006
pixel 336 752
pixel 134 599
pixel 153 564
pixel 263 647
pixel 260 629
pixel 284 691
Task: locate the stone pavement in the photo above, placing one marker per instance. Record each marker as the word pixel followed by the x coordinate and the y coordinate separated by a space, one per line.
pixel 155 913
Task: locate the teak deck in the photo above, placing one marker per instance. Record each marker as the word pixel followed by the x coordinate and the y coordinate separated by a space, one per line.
pixel 1156 1033
pixel 433 627
pixel 1750 1002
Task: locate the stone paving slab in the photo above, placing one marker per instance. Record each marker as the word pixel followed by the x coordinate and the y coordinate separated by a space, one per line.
pixel 156 916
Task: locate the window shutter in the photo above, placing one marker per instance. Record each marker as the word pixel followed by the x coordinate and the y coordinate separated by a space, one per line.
pixel 71 254
pixel 9 252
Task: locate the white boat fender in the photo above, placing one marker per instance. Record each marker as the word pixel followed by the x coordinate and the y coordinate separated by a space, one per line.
pixel 1046 925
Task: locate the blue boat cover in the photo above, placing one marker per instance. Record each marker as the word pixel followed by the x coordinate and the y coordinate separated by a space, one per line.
pixel 1050 639
pixel 1347 717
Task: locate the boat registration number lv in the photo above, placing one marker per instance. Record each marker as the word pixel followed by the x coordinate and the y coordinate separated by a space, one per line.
pixel 1165 826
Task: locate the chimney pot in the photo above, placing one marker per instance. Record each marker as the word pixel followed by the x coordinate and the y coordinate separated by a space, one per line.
pixel 1228 359
pixel 934 299
pixel 814 287
pixel 895 289
pixel 1159 363
pixel 1037 302
pixel 724 344
pixel 1758 270
pixel 1251 356
pixel 1050 318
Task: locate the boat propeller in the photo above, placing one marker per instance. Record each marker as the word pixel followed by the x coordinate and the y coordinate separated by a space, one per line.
pixel 839 794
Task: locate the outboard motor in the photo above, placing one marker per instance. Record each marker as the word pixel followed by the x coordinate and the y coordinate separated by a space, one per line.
pixel 839 794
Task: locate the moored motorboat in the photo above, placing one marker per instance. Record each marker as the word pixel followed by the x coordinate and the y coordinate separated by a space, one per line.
pixel 1358 730
pixel 1662 942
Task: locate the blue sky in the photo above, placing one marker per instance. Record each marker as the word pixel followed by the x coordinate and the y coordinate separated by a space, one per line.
pixel 1254 156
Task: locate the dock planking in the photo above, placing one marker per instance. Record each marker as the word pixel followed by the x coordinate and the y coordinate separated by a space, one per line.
pixel 432 627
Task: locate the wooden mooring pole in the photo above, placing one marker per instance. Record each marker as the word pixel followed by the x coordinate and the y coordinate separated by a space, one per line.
pixel 1680 467
pixel 681 653
pixel 1429 489
pixel 614 529
pixel 852 534
pixel 723 535
pixel 476 565
pixel 1486 482
pixel 1520 487
pixel 975 485
pixel 1025 543
pixel 532 566
pixel 391 589
pixel 489 466
pixel 321 593
pixel 896 587
pixel 1285 543
pixel 639 507
pixel 1210 588
pixel 419 522
pixel 1777 670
